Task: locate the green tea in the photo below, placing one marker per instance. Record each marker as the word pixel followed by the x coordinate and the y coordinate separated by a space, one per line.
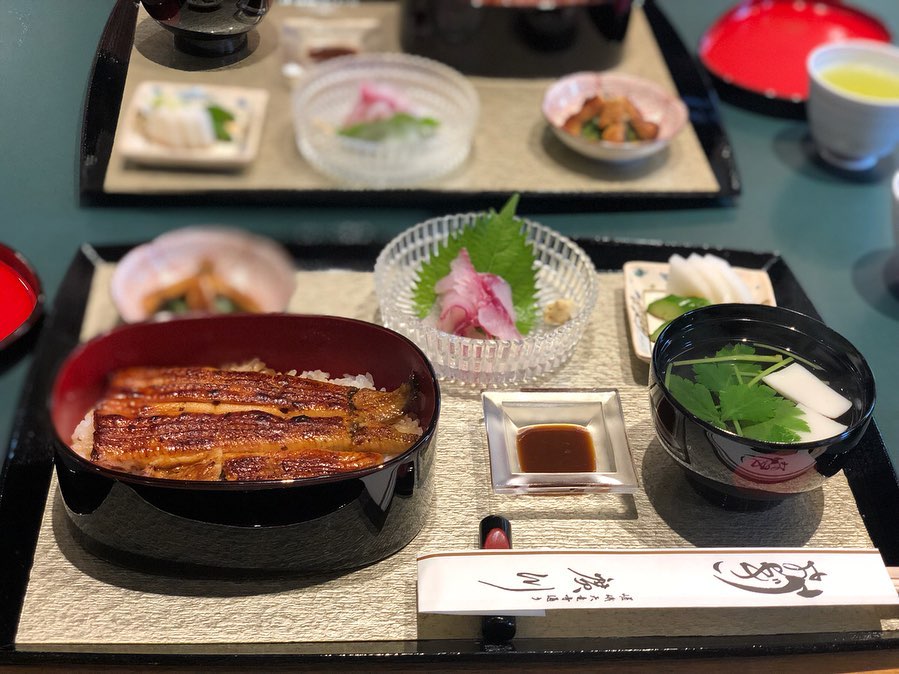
pixel 863 79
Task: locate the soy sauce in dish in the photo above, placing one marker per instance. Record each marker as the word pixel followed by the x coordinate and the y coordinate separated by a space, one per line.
pixel 16 298
pixel 319 54
pixel 555 448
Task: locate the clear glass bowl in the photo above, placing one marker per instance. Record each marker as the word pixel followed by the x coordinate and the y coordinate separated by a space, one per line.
pixel 564 271
pixel 326 95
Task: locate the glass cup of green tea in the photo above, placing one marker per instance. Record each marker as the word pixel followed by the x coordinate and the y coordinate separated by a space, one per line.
pixel 853 103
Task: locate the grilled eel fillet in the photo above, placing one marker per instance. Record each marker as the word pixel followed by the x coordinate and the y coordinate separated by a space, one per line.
pixel 200 423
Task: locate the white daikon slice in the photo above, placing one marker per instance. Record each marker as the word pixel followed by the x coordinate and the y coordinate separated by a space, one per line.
pixel 738 289
pixel 820 427
pixel 684 282
pixel 720 290
pixel 185 126
pixel 802 387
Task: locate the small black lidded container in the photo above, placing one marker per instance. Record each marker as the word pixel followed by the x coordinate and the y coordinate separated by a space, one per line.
pixel 213 28
pixel 516 38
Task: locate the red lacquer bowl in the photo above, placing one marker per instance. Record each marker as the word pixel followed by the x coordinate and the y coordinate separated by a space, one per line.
pixel 757 50
pixel 23 299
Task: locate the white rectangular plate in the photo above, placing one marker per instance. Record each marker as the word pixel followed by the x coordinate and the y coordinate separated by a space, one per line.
pixel 247 105
pixel 645 282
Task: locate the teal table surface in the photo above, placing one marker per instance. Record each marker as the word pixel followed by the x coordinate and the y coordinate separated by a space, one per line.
pixel 834 232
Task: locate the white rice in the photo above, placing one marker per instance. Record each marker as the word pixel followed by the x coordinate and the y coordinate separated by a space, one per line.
pixel 257 365
pixel 358 380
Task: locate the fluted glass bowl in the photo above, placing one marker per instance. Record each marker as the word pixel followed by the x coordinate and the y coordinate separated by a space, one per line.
pixel 326 95
pixel 564 271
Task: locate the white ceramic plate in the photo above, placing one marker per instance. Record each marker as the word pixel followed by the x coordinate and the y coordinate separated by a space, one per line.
pixel 645 282
pixel 247 105
pixel 567 95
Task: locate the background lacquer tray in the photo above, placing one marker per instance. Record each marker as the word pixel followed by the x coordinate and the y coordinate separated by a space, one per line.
pixel 514 150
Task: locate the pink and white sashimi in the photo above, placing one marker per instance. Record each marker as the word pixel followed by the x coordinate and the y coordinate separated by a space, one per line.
pixel 377 102
pixel 475 304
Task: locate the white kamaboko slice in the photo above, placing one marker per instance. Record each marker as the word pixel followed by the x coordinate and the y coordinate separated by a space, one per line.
pixel 820 427
pixel 803 388
pixel 739 291
pixel 683 281
pixel 712 277
pixel 187 126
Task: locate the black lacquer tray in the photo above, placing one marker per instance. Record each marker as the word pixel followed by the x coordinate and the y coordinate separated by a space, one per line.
pixel 104 98
pixel 25 479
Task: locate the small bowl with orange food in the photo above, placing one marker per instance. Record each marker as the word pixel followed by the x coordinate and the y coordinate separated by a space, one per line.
pixel 203 270
pixel 613 117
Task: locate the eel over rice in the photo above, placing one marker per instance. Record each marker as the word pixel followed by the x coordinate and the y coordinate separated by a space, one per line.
pixel 203 423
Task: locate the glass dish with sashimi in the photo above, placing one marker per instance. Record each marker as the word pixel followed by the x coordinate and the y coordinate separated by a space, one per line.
pixel 384 120
pixel 491 298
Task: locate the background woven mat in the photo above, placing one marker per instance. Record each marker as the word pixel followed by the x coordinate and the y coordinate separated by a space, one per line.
pixel 75 598
pixel 514 150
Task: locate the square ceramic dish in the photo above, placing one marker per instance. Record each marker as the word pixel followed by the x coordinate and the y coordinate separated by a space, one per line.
pixel 645 282
pixel 247 105
pixel 596 410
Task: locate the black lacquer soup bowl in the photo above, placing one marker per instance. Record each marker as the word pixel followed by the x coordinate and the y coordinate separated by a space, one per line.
pixel 741 472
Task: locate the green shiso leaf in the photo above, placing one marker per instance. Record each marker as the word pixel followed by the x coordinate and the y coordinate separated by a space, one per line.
pixel 728 395
pixel 696 398
pixel 400 125
pixel 497 244
pixel 716 376
pixel 783 426
pixel 220 117
pixel 748 403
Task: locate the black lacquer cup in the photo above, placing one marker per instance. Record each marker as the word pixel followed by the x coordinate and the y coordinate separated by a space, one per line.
pixel 208 27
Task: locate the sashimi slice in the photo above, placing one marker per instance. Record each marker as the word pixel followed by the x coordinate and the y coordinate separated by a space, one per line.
pixel 376 101
pixel 684 282
pixel 802 387
pixel 820 427
pixel 738 289
pixel 470 300
pixel 496 313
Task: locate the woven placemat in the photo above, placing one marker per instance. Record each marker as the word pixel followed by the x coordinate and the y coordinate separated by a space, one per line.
pixel 514 150
pixel 75 598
